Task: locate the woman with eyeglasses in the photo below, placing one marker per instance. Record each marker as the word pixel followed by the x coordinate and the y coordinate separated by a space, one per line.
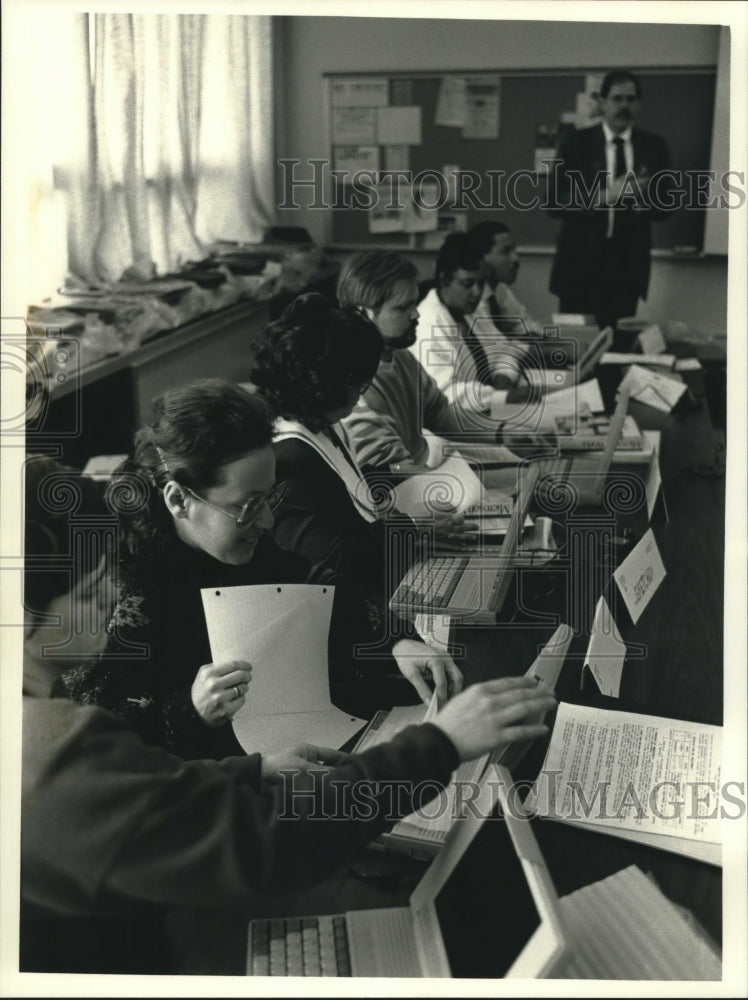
pixel 196 499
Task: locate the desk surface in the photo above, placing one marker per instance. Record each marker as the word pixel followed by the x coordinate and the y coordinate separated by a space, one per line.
pixel 678 674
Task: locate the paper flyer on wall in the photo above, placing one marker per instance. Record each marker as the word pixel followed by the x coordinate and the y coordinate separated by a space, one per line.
pixel 451 104
pixel 482 108
pixel 353 159
pixel 399 126
pixel 354 126
pixel 366 93
pixel 288 700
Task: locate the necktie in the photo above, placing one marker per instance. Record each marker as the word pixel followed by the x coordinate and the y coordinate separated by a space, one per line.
pixel 479 355
pixel 620 158
pixel 501 323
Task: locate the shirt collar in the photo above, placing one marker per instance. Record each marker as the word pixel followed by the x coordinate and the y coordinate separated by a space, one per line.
pixel 610 135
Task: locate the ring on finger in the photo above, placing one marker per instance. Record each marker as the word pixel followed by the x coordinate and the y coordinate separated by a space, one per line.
pixel 237 691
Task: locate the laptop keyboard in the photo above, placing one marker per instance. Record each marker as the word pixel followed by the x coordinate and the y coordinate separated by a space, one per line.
pixel 301 946
pixel 430 583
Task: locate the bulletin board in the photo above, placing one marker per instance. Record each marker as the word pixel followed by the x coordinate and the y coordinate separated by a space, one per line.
pixel 486 122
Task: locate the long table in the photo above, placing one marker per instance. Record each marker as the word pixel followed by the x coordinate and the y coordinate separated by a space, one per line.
pixel 679 674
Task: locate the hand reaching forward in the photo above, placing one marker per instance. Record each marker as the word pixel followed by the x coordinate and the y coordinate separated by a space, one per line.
pixel 219 690
pixel 302 757
pixel 418 662
pixel 487 715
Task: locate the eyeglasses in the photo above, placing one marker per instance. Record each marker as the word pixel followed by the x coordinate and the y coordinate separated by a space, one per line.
pixel 251 509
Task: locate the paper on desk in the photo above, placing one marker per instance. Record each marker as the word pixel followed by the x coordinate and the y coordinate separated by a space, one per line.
pixel 687 365
pixel 659 391
pixel 542 414
pixel 606 651
pixel 634 773
pixel 618 358
pixel 452 486
pixel 651 340
pixel 640 574
pixel 289 695
pixel 653 482
pixel 434 629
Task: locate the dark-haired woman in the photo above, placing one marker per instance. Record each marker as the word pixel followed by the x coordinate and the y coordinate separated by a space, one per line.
pixel 311 367
pixel 202 482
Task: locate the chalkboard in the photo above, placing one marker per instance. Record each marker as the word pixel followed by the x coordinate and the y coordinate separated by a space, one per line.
pixel 677 104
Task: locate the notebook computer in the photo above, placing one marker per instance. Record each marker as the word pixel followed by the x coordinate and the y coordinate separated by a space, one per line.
pixel 486 907
pixel 582 474
pixel 471 587
pixel 422 835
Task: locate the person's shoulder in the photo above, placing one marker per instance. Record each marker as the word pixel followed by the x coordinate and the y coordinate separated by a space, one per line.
pixel 296 459
pixel 55 727
pixel 645 138
pixel 581 137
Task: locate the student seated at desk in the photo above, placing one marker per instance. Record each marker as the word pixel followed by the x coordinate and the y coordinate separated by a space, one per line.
pixel 388 423
pixel 468 368
pixel 498 306
pixel 117 835
pixel 202 478
pixel 310 367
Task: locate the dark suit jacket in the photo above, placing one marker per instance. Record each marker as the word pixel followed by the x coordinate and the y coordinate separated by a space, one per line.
pixel 577 265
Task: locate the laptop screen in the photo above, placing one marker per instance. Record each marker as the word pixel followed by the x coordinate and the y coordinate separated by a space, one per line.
pixel 485 909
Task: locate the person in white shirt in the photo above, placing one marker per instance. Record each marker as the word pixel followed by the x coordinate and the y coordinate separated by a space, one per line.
pixel 469 360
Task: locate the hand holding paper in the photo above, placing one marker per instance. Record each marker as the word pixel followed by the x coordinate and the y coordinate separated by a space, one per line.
pixel 219 690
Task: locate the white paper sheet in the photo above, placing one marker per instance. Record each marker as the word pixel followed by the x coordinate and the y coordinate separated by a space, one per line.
pixel 399 126
pixel 352 159
pixel 640 574
pixel 635 773
pixel 451 104
pixel 434 629
pixel 451 486
pixel 282 631
pixel 659 391
pixel 651 340
pixel 362 93
pixel 354 126
pixel 542 415
pixel 606 651
pixel 618 358
pixel 653 482
pixel 482 96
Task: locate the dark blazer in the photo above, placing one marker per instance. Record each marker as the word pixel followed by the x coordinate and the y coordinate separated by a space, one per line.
pixel 577 264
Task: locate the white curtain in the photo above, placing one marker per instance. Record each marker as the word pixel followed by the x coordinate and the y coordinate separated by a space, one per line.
pixel 167 139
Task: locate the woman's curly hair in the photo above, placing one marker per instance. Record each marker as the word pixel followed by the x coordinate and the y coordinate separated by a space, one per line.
pixel 311 356
pixel 196 429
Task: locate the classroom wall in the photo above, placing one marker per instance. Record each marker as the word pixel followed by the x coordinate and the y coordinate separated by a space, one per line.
pixel 312 46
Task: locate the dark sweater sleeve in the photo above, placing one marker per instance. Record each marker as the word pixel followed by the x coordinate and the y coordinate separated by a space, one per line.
pixel 168 831
pixel 140 689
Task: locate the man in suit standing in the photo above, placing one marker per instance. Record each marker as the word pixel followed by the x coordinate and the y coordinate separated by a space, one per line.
pixel 606 191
